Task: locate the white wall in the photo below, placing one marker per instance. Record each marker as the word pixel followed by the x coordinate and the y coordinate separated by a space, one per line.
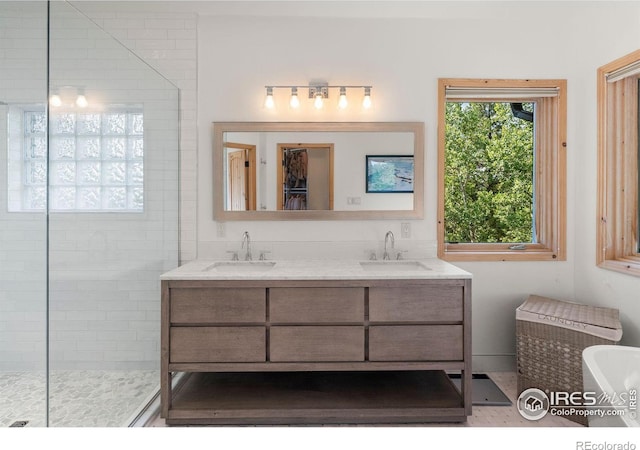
pixel 594 285
pixel 402 58
pixel 401 50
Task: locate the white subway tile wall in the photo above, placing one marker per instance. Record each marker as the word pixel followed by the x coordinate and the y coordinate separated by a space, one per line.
pixel 168 43
pixel 104 268
pixel 23 35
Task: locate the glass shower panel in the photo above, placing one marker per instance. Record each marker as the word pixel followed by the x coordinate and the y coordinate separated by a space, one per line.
pixel 113 221
pixel 23 233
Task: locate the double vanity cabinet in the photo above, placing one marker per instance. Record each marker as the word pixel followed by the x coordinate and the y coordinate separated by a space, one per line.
pixel 316 342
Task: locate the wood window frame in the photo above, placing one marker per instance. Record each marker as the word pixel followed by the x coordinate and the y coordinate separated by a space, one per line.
pixel 617 203
pixel 551 146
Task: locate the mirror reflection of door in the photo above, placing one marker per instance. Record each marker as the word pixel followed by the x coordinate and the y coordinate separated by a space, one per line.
pixel 241 176
pixel 305 177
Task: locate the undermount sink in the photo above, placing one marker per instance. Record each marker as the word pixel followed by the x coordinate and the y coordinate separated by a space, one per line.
pixel 242 266
pixel 395 266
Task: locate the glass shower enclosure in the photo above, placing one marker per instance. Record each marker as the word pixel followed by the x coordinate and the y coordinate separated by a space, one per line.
pixel 89 177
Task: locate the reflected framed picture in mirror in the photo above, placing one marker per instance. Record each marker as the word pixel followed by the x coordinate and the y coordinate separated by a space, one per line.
pixel 389 173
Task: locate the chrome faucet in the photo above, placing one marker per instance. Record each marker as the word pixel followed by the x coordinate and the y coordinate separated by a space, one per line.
pixel 387 237
pixel 247 239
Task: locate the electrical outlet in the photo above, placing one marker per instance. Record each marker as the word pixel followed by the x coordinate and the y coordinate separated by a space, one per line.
pixel 220 229
pixel 405 230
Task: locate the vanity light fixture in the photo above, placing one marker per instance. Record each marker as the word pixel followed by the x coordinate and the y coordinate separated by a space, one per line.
pixel 366 101
pixel 318 92
pixel 268 101
pixel 294 102
pixel 342 101
pixel 318 102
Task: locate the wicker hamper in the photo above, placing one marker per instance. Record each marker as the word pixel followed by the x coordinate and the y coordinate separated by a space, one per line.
pixel 550 337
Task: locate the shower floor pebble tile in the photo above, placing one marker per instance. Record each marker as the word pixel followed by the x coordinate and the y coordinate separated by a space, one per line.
pixel 77 398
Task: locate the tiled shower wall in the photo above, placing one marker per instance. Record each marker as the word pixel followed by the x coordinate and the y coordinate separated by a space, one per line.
pixel 23 34
pixel 104 267
pixel 168 43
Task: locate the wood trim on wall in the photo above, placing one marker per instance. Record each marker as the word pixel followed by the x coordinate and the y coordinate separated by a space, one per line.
pixel 617 202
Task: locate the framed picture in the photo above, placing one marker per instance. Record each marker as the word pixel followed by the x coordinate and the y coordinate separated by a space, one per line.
pixel 389 173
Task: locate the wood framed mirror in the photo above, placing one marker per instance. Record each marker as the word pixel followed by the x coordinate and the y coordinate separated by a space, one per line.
pixel 319 167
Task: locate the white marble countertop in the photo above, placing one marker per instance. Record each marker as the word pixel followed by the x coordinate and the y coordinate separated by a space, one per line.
pixel 315 270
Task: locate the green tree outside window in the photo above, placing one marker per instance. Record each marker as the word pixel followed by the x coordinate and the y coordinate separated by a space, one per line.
pixel 489 177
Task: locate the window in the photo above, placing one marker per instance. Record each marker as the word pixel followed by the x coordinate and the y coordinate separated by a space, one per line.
pixel 502 167
pixel 95 162
pixel 618 246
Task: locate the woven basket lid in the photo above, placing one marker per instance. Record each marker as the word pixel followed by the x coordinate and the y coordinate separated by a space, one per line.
pixel 576 312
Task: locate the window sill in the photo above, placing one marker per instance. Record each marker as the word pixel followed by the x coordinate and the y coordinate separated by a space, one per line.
pixel 538 253
pixel 629 265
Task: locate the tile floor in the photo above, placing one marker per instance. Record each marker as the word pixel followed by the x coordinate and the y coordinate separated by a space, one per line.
pixel 81 398
pixel 108 399
pixel 484 416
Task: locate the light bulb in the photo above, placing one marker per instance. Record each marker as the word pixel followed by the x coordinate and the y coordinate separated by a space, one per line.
pixel 55 100
pixel 81 101
pixel 342 101
pixel 268 101
pixel 294 102
pixel 366 101
pixel 318 102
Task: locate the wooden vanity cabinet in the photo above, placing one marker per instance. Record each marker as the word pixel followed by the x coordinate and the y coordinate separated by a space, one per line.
pixel 284 351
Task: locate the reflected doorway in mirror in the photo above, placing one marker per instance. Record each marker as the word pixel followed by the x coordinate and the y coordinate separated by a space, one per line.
pixel 240 188
pixel 305 177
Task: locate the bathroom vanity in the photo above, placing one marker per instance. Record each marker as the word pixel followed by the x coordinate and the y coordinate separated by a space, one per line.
pixel 316 342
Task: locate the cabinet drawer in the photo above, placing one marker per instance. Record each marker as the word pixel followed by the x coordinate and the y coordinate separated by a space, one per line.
pixel 309 343
pixel 217 344
pixel 218 305
pixel 416 304
pixel 308 305
pixel 416 343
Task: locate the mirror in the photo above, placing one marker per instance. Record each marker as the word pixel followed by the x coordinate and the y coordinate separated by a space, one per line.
pixel 318 170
